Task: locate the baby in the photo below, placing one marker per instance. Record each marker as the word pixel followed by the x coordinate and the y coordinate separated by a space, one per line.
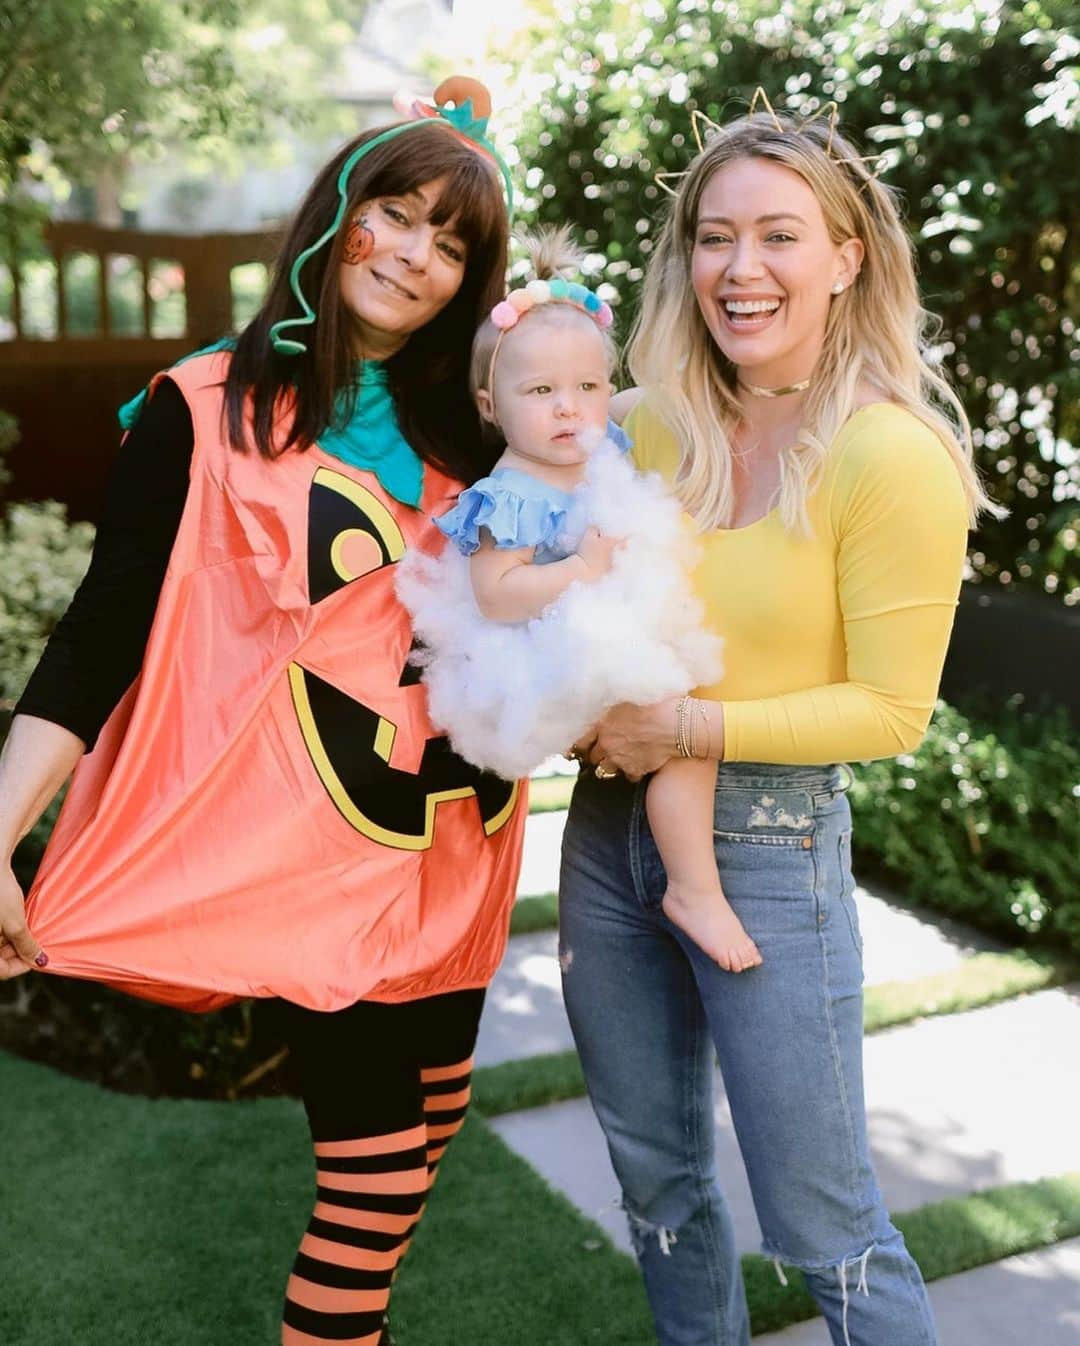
pixel 573 596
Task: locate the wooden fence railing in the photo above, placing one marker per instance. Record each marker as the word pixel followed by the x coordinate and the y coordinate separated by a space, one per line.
pixel 64 384
pixel 207 262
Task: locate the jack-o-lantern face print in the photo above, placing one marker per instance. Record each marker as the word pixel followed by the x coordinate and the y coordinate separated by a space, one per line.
pixel 352 535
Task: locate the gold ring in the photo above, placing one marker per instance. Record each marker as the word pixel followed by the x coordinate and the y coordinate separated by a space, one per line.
pixel 602 772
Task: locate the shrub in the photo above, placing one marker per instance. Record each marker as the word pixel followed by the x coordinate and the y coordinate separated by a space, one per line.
pixel 9 437
pixel 982 822
pixel 42 559
pixel 98 1034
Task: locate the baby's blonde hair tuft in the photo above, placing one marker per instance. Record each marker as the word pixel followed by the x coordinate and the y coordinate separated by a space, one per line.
pixel 551 254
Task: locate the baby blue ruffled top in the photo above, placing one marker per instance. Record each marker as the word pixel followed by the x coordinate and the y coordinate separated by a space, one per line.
pixel 518 510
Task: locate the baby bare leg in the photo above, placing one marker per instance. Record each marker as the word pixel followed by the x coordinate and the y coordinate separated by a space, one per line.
pixel 679 804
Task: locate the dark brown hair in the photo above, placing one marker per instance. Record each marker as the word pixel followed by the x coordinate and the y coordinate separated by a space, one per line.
pixel 429 375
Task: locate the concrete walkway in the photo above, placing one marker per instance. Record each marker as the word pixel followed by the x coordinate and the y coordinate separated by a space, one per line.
pixel 954 1105
pixel 524 1014
pixel 1033 1300
pixel 957 1104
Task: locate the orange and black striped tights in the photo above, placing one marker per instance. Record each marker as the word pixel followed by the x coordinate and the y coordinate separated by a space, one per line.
pixel 386 1087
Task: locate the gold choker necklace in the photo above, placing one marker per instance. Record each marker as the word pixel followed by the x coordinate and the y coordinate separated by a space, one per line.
pixel 753 388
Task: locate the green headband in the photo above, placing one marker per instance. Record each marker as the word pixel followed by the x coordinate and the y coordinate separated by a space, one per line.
pixel 461 121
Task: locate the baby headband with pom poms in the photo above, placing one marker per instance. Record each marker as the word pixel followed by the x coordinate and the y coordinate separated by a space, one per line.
pixel 463 106
pixel 703 128
pixel 509 311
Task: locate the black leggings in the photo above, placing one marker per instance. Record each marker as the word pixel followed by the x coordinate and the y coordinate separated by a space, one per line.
pixel 385 1088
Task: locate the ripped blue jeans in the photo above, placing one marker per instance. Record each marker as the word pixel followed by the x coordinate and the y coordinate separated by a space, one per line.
pixel 650 1013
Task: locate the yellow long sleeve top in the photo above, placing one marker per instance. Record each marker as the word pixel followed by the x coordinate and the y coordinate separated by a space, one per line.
pixel 834 642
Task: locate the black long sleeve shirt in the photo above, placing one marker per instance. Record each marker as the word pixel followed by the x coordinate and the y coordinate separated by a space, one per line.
pixel 97 648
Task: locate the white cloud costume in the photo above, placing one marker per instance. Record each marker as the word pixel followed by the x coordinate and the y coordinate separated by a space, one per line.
pixel 509 694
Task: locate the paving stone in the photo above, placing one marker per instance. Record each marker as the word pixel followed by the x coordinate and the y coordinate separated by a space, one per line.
pixel 540 861
pixel 1033 1300
pixel 901 943
pixel 957 1104
pixel 523 1013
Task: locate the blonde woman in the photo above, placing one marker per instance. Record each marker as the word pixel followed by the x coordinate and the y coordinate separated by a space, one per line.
pixel 784 393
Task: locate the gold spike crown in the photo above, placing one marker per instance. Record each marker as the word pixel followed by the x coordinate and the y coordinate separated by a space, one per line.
pixel 703 127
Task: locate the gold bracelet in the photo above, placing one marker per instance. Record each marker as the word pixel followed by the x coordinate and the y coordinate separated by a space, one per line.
pixel 708 732
pixel 681 744
pixel 693 744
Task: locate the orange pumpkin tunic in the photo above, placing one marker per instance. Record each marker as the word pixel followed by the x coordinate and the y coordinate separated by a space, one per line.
pixel 268 811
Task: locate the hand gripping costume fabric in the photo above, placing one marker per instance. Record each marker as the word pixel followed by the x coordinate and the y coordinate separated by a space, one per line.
pixel 269 810
pixel 510 694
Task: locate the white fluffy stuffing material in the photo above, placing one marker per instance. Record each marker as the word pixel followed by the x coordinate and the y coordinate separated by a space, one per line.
pixel 510 695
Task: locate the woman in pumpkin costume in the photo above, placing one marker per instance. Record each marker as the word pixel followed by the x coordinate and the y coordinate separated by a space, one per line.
pixel 263 807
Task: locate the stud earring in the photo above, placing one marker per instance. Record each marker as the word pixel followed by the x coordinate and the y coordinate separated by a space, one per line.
pixel 838 288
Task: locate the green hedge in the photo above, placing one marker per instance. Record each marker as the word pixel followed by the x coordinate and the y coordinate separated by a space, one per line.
pixel 42 559
pixel 9 437
pixel 982 822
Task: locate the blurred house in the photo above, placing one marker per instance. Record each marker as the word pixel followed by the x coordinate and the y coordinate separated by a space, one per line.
pixel 382 59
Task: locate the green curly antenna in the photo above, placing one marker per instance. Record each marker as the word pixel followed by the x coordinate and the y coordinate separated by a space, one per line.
pixel 463 121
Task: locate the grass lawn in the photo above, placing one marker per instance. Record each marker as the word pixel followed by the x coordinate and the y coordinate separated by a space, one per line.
pixel 127 1221
pixel 549 794
pixel 539 912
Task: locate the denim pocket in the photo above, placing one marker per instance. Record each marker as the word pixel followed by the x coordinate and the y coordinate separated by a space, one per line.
pixel 764 839
pixel 802 841
pixel 765 817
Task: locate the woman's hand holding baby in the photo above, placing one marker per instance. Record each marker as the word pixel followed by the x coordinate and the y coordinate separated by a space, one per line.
pixel 637 740
pixel 632 739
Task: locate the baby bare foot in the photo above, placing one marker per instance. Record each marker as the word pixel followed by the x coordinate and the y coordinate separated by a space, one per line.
pixel 707 917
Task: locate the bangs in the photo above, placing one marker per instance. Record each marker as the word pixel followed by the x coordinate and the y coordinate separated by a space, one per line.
pixel 471 198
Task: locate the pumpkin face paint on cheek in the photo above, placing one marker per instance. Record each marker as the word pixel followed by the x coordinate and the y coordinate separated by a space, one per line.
pixel 359 242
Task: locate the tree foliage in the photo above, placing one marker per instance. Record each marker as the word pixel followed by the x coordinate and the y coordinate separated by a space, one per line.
pixel 83 82
pixel 974 102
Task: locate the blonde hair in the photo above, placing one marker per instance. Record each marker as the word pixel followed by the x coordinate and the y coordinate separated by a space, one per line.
pixel 877 330
pixel 551 254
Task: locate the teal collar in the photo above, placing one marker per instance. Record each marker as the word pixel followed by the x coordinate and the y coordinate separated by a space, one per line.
pixel 129 413
pixel 369 437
